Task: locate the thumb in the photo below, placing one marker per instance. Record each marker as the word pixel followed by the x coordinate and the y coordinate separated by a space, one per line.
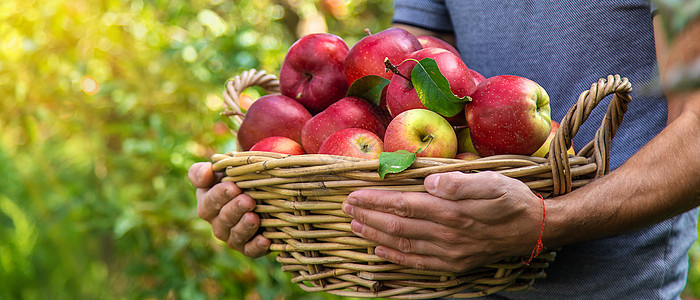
pixel 458 185
pixel 201 175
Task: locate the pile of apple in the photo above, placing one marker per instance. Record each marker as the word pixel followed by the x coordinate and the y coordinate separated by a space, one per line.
pixel 315 113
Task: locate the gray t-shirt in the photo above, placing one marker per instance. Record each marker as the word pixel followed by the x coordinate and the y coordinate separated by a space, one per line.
pixel 565 46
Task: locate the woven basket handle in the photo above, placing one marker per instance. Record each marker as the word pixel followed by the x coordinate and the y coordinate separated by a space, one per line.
pixel 235 87
pixel 598 150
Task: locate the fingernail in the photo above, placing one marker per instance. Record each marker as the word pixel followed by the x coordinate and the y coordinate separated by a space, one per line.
pixel 353 200
pixel 347 208
pixel 241 206
pixel 431 185
pixel 356 226
pixel 380 252
pixel 261 242
pixel 247 221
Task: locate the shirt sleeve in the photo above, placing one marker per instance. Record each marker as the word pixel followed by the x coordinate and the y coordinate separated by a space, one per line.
pixel 428 14
pixel 652 7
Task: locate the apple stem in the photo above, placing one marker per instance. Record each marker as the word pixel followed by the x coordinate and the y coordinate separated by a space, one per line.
pixel 459 127
pixel 233 113
pixel 309 76
pixel 367 31
pixel 391 67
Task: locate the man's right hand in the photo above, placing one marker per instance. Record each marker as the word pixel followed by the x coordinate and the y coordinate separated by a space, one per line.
pixel 228 210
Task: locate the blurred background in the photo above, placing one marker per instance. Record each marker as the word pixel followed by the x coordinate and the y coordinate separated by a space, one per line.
pixel 104 105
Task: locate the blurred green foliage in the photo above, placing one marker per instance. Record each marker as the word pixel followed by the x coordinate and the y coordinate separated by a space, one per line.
pixel 104 106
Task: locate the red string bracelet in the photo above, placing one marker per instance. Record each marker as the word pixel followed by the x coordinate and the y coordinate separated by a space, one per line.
pixel 539 246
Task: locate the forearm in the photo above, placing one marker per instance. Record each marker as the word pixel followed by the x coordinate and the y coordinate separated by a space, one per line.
pixel 660 181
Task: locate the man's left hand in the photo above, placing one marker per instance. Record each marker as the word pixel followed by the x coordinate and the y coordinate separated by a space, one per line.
pixel 464 221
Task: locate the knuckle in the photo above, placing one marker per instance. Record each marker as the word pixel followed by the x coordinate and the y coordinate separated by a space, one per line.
pixel 204 209
pixel 450 238
pixel 401 208
pixel 500 183
pixel 490 175
pixel 202 213
pixel 235 241
pixel 419 264
pixel 235 246
pixel 219 196
pixel 359 215
pixel 393 226
pixel 449 186
pixel 221 233
pixel 404 245
pixel 399 258
pixel 452 217
pixel 454 254
pixel 498 191
pixel 227 216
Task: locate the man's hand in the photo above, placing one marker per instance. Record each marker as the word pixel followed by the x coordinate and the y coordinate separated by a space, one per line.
pixel 228 211
pixel 464 221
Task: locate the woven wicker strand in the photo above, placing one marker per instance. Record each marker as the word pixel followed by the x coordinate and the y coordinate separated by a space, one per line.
pixel 235 87
pixel 299 200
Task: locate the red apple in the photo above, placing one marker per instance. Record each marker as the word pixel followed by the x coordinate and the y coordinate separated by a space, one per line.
pixel 278 144
pixel 347 112
pixel 421 129
pixel 544 150
pixel 367 56
pixel 508 115
pixel 272 115
pixel 353 142
pixel 401 95
pixel 312 71
pixel 428 41
pixel 478 78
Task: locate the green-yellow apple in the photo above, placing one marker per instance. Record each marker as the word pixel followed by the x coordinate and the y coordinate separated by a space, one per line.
pixel 367 56
pixel 401 94
pixel 272 115
pixel 353 142
pixel 467 156
pixel 544 150
pixel 423 129
pixel 464 141
pixel 312 71
pixel 278 144
pixel 347 112
pixel 508 115
pixel 428 41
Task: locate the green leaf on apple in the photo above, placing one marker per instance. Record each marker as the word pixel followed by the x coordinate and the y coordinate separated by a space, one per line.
pixel 369 88
pixel 395 162
pixel 434 90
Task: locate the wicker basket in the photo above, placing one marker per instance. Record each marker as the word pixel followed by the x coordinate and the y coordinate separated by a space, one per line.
pixel 299 199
